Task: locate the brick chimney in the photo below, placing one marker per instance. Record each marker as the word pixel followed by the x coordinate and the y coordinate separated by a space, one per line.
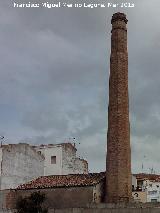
pixel 118 162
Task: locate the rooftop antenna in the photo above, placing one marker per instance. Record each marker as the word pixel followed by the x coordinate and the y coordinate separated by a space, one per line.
pixel 142 167
pixel 152 170
pixel 1 139
pixel 143 164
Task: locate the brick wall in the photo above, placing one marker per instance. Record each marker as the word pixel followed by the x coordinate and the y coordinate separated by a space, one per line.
pixel 72 196
pixel 118 176
pixel 10 200
pixel 3 194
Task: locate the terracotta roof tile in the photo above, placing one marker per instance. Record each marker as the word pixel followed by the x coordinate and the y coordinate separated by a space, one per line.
pixel 54 181
pixel 147 176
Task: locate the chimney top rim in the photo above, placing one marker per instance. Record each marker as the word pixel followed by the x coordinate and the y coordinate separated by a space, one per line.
pixel 119 17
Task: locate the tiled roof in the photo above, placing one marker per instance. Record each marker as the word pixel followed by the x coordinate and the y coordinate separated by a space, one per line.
pixel 147 176
pixel 54 181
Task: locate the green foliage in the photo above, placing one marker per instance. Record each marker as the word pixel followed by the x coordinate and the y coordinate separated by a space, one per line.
pixel 31 204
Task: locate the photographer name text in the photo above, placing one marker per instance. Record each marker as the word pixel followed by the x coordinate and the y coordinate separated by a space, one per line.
pixel 75 5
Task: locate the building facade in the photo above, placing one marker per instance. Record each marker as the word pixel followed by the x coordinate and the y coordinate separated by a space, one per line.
pixel 60 159
pixel 152 189
pixel 19 163
pixel 140 196
pixel 134 183
pixel 148 188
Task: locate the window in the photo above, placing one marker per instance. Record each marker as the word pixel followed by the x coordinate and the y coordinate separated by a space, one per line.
pixel 154 200
pixel 53 159
pixel 152 192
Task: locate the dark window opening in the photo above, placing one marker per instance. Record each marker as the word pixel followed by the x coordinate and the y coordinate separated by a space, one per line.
pixel 53 159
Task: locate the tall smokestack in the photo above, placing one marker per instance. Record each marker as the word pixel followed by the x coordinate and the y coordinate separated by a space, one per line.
pixel 118 163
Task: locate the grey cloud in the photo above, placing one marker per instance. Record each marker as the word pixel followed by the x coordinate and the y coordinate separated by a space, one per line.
pixel 54 76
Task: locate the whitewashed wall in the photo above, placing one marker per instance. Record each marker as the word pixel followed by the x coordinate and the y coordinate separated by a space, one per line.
pixel 153 191
pixel 48 151
pixel 66 160
pixel 20 163
pixel 134 181
pixel 72 164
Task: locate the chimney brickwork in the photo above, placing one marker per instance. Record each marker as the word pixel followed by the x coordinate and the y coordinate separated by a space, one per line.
pixel 118 163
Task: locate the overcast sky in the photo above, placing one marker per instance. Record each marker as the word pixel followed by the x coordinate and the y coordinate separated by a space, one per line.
pixel 54 70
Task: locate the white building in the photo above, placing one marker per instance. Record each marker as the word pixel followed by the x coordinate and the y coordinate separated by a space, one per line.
pixel 153 190
pixel 148 187
pixel 134 183
pixel 60 159
pixel 19 163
